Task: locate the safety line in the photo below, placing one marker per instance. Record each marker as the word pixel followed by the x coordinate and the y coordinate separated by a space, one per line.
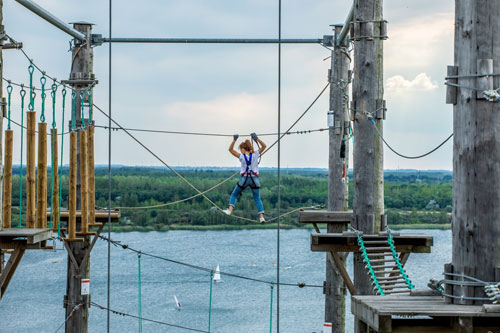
pixel 204 269
pixel 146 319
pixel 279 175
pixel 108 289
pixel 76 307
pixel 405 156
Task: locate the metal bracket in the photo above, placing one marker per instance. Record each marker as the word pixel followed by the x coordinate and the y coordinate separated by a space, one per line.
pixel 366 30
pixel 328 40
pixel 96 40
pixel 381 109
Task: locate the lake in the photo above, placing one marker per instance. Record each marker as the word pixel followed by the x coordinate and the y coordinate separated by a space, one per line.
pixel 34 300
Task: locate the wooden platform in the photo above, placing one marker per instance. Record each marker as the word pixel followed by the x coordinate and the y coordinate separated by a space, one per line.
pixel 16 241
pixel 430 314
pixel 101 216
pixel 348 242
pixel 10 238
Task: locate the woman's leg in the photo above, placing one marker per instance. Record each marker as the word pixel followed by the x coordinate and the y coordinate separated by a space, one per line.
pixel 258 201
pixel 234 195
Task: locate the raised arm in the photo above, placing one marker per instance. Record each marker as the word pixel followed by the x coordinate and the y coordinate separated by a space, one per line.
pixel 262 146
pixel 231 147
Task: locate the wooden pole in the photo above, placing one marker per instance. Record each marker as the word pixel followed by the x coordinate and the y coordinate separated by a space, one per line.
pixel 368 201
pixel 84 182
pixel 476 148
pixel 55 179
pixel 41 207
pixel 1 122
pixel 81 69
pixel 72 186
pixel 91 173
pixel 30 170
pixel 337 184
pixel 7 179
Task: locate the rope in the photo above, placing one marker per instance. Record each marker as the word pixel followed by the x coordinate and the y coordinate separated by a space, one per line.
pixel 405 156
pixel 73 107
pixel 76 307
pixel 63 92
pixel 9 92
pixel 31 106
pixel 22 93
pixel 43 80
pixel 366 259
pixel 146 319
pixel 53 95
pixel 139 314
pixel 200 193
pixel 210 304
pixel 89 93
pixel 390 241
pixel 204 269
pixel 271 311
pixel 82 106
pixel 208 134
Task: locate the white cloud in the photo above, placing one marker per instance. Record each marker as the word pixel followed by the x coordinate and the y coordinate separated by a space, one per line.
pixel 422 82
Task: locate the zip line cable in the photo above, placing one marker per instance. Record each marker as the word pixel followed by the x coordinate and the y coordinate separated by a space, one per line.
pixel 108 289
pixel 146 319
pixel 204 269
pixel 279 176
pixel 410 157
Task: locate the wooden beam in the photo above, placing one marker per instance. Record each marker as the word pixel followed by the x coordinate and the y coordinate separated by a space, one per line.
pixel 87 252
pixel 339 264
pixel 72 191
pixel 41 181
pixel 10 268
pixel 100 216
pixel 324 216
pixel 7 179
pixel 91 173
pixel 84 225
pixel 30 170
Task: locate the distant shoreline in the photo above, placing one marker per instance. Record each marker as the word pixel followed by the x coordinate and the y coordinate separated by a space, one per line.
pixel 228 227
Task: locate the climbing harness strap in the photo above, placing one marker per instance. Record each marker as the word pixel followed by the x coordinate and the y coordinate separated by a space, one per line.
pixel 248 174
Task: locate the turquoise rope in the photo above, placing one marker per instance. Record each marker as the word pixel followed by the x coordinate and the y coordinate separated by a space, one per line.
pixel 390 241
pixel 31 106
pixel 89 93
pixel 210 305
pixel 140 295
pixel 82 102
pixel 63 92
pixel 23 93
pixel 361 244
pixel 43 80
pixel 53 95
pixel 9 92
pixel 271 311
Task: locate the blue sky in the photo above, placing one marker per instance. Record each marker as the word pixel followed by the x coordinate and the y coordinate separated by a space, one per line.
pixel 233 88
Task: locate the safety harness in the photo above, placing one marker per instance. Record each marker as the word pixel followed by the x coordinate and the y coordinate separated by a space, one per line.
pixel 247 173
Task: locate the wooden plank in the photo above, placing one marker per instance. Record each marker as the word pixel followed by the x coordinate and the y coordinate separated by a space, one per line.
pixel 91 174
pixel 324 216
pixel 491 308
pixel 55 177
pixel 30 170
pixel 7 179
pixel 100 215
pixel 72 187
pixel 41 180
pixel 451 91
pixel 338 263
pixel 84 225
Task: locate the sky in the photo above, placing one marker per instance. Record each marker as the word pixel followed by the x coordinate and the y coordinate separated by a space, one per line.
pixel 233 88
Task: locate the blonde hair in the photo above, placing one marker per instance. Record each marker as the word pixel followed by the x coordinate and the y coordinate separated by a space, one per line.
pixel 247 145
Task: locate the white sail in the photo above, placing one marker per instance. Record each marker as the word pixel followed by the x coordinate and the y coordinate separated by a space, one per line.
pixel 177 304
pixel 217 274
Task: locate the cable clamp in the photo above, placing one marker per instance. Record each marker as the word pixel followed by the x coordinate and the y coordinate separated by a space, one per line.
pixel 491 95
pixel 368 30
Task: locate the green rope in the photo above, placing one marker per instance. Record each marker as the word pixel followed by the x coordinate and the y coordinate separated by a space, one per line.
pixel 9 92
pixel 361 244
pixel 390 241
pixel 271 311
pixel 63 92
pixel 23 93
pixel 89 93
pixel 53 95
pixel 43 80
pixel 210 305
pixel 73 107
pixel 31 106
pixel 82 101
pixel 140 295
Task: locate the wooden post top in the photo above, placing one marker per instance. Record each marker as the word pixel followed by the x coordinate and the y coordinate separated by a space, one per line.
pixel 325 216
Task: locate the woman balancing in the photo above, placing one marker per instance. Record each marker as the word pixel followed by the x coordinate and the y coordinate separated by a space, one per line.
pixel 249 173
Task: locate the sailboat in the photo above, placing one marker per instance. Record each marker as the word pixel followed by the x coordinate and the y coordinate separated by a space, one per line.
pixel 177 304
pixel 217 275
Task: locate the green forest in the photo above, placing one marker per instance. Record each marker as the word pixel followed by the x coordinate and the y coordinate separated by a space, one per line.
pixel 417 198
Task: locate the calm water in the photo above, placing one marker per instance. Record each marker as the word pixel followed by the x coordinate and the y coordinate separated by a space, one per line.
pixel 34 300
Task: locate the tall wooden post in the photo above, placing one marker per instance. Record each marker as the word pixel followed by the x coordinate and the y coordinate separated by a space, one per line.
pixel 337 180
pixel 476 146
pixel 1 122
pixel 80 78
pixel 30 169
pixel 72 187
pixel 368 204
pixel 84 226
pixel 41 207
pixel 91 173
pixel 7 174
pixel 55 179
